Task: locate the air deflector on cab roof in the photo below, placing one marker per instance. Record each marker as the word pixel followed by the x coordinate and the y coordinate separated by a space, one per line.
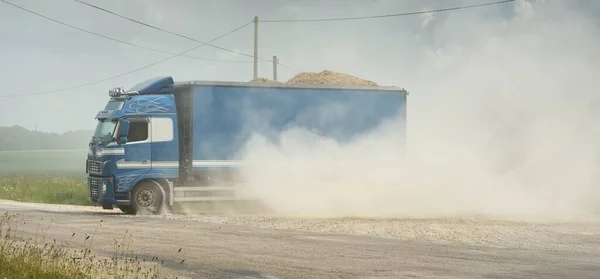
pixel 158 85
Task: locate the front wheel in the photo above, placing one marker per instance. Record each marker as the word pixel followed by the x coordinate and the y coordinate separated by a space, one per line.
pixel 147 198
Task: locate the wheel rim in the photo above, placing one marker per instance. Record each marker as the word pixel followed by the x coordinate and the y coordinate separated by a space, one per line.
pixel 145 197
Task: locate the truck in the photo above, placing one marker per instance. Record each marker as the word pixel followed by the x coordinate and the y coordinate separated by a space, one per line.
pixel 164 143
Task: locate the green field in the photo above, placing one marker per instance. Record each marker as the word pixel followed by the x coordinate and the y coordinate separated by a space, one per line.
pixel 56 177
pixel 55 162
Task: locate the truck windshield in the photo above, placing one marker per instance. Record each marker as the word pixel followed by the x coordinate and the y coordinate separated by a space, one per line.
pixel 105 129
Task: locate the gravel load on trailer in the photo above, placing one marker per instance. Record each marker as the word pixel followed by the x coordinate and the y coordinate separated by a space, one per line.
pixel 329 77
pixel 324 77
pixel 264 80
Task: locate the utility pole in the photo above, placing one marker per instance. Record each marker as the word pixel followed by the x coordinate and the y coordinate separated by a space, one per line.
pixel 255 47
pixel 275 62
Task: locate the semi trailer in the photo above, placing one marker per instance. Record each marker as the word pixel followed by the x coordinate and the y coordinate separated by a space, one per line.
pixel 163 143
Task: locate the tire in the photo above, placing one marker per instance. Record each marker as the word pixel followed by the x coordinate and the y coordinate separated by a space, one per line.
pixel 147 198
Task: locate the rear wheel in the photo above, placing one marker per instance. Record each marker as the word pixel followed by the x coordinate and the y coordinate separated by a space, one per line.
pixel 147 198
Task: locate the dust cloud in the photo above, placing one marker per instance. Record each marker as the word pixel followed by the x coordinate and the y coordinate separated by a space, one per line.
pixel 500 124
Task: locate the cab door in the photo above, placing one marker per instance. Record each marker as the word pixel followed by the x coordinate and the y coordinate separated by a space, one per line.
pixel 138 148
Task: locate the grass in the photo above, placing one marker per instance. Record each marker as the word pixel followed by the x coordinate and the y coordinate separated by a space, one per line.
pixel 44 189
pixel 34 258
pixel 44 176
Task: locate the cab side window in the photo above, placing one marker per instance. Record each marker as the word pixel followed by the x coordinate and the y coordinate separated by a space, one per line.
pixel 138 130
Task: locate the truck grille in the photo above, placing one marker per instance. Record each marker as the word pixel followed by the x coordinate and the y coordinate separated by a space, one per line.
pixel 94 167
pixel 94 187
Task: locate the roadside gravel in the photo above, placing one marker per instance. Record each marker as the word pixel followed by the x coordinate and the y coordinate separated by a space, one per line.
pixel 544 236
pixel 473 231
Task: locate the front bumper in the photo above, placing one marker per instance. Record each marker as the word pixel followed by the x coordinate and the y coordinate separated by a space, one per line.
pixel 101 190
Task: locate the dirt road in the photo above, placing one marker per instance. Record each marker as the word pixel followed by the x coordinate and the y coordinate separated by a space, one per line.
pixel 270 247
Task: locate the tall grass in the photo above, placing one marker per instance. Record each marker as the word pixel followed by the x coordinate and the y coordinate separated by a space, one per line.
pixel 44 189
pixel 33 258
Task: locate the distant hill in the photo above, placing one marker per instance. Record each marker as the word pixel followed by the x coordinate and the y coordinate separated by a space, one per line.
pixel 17 138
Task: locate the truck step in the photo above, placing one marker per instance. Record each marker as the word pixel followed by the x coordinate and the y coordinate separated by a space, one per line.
pixel 189 199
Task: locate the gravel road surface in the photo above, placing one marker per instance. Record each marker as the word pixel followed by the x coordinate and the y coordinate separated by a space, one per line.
pixel 277 247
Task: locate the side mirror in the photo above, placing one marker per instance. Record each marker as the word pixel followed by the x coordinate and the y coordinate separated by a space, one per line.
pixel 122 140
pixel 123 132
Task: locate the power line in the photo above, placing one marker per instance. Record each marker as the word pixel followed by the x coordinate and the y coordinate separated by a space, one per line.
pixel 389 15
pixel 129 72
pixel 287 67
pixel 164 30
pixel 176 34
pixel 117 40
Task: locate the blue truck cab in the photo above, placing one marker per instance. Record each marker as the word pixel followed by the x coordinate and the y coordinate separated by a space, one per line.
pixel 161 143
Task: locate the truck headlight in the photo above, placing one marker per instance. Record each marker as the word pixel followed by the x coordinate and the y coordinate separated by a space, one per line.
pixel 103 190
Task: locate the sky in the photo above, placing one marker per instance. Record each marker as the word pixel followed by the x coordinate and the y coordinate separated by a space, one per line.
pixel 412 52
